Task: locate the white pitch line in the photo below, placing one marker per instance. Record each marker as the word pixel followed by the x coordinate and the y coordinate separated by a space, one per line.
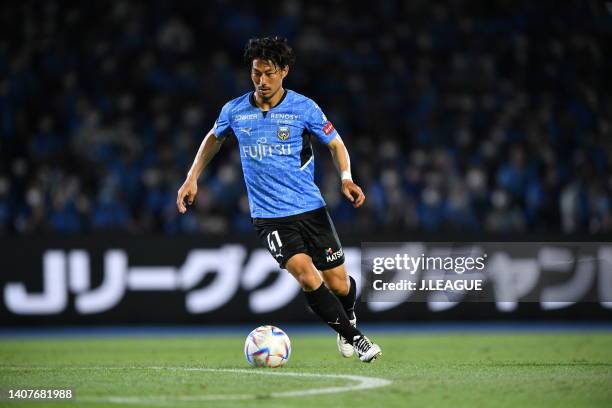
pixel 362 383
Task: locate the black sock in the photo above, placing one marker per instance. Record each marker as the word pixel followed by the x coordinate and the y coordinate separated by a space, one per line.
pixel 327 306
pixel 348 301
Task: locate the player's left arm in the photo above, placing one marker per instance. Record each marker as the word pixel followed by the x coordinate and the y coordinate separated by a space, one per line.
pixel 342 162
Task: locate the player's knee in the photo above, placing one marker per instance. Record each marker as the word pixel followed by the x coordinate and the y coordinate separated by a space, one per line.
pixel 338 286
pixel 308 280
pixel 305 274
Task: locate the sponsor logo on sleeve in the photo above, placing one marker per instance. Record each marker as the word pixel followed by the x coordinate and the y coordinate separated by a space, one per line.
pixel 328 128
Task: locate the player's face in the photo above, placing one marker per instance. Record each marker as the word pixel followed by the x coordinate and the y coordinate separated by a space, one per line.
pixel 267 78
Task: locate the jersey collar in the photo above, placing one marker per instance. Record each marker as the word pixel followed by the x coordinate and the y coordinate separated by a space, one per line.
pixel 253 104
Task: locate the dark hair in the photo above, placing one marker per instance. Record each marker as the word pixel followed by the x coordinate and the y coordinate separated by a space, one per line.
pixel 275 49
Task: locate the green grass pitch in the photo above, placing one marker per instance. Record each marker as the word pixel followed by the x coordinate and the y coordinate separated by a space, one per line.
pixel 425 370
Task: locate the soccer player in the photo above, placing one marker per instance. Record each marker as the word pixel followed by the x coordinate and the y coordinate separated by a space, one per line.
pixel 274 127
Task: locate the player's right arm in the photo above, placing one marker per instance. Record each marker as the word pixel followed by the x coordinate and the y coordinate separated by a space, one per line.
pixel 208 149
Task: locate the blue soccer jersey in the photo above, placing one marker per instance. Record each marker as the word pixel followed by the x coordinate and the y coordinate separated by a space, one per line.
pixel 276 152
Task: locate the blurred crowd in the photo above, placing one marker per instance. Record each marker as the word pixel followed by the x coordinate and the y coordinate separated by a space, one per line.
pixel 487 116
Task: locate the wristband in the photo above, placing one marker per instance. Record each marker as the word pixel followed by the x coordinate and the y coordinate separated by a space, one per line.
pixel 346 175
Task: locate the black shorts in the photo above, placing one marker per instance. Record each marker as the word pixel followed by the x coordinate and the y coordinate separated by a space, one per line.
pixel 311 233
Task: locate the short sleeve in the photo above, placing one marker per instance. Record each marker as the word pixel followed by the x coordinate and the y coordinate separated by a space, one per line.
pixel 222 127
pixel 318 125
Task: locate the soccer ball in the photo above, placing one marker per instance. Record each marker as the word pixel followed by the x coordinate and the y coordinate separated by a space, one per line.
pixel 267 346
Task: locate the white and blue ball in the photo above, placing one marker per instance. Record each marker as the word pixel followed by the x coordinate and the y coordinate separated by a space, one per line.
pixel 267 346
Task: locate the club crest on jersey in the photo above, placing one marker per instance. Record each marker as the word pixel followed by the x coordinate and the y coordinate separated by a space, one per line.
pixel 283 132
